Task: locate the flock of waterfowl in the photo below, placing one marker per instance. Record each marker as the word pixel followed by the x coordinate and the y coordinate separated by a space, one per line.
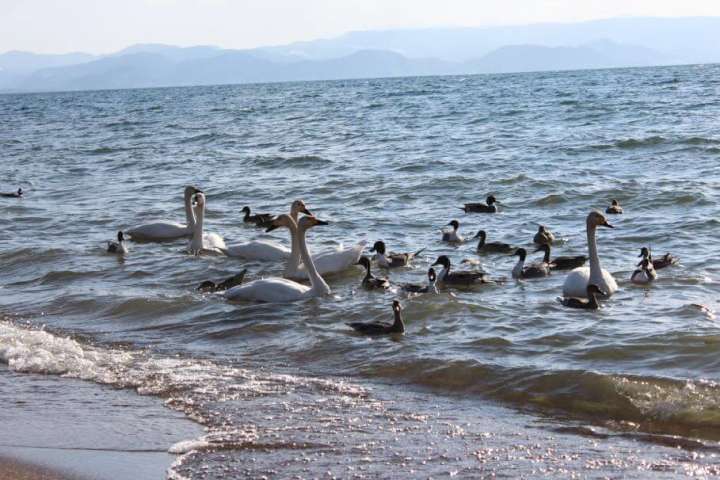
pixel 581 289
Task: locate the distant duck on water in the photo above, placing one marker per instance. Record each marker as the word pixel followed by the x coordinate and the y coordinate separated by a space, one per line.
pixel 491 247
pixel 614 208
pixel 210 287
pixel 17 194
pixel 452 236
pixel 429 288
pixel 561 263
pixel 261 220
pixel 543 236
pixel 463 277
pixel 658 263
pixel 489 207
pixel 370 281
pixel 118 247
pixel 590 303
pixel 392 260
pixel 645 274
pixel 535 270
pixel 382 328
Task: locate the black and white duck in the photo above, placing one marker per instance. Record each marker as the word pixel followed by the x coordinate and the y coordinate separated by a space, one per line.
pixel 589 303
pixel 484 246
pixel 382 328
pixel 658 263
pixel 210 287
pixel 118 247
pixel 614 208
pixel 17 194
pixel 430 287
pixel 479 207
pixel 534 270
pixel 370 281
pixel 561 263
pixel 462 277
pixel 645 273
pixel 392 260
pixel 261 220
pixel 543 236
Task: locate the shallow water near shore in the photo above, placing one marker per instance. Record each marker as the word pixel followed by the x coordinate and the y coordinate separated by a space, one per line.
pixel 500 379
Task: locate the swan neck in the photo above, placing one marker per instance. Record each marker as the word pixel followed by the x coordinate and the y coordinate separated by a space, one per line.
pixel 595 269
pixel 293 264
pixel 317 282
pixel 189 215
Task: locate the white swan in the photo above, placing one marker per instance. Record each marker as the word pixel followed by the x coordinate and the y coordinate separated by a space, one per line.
pixel 577 280
pixel 266 249
pixel 160 231
pixel 201 242
pixel 281 290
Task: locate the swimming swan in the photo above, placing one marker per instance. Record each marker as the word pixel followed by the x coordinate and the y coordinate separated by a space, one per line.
pixel 162 231
pixel 577 280
pixel 200 241
pixel 281 290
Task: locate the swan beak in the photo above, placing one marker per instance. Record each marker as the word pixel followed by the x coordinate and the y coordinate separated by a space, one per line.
pixel 607 224
pixel 305 211
pixel 197 190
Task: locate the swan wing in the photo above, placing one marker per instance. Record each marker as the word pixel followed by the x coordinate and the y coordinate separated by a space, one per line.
pixel 269 290
pixel 159 231
pixel 259 250
pixel 577 281
pixel 213 241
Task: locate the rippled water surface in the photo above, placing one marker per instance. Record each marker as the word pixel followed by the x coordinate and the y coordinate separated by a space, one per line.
pixel 500 379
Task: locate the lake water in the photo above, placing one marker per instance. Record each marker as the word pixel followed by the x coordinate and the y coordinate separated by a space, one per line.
pixel 495 380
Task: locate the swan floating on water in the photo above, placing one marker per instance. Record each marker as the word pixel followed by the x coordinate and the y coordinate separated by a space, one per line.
pixel 118 247
pixel 534 270
pixel 392 260
pixel 371 281
pixel 489 207
pixel 381 328
pixel 614 208
pixel 577 280
pixel 281 290
pixel 200 241
pixel 163 231
pixel 543 236
pixel 589 303
pixel 561 263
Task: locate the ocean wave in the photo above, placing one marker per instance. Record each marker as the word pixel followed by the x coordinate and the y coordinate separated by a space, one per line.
pixel 299 161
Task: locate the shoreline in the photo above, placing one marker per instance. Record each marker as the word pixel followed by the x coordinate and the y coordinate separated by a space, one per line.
pixel 14 469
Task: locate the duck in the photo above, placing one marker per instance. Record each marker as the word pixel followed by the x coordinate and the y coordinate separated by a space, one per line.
pixel 17 194
pixel 261 220
pixel 371 281
pixel 535 270
pixel 430 287
pixel 282 290
pixel 543 236
pixel 267 250
pixel 453 236
pixel 561 263
pixel 589 303
pixel 211 287
pixel 392 260
pixel 464 277
pixel 645 274
pixel 578 279
pixel 382 328
pixel 614 208
pixel 658 263
pixel 165 231
pixel 118 247
pixel 491 247
pixel 489 207
pixel 201 242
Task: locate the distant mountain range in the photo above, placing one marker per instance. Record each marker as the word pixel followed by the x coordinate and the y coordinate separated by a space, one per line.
pixel 623 42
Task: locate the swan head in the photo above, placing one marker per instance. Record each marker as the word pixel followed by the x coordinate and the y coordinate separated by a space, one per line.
pixel 283 220
pixel 481 235
pixel 396 306
pixel 594 290
pixel 520 252
pixel 442 260
pixel 298 206
pixel 306 223
pixel 432 276
pixel 490 200
pixel 597 219
pixel 378 247
pixel 453 223
pixel 364 261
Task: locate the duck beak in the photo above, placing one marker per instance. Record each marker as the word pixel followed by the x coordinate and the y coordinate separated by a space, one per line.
pixel 321 222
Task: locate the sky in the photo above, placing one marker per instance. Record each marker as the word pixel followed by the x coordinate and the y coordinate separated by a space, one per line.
pixel 104 26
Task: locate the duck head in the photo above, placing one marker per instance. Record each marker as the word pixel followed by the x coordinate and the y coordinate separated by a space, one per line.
pixel 453 223
pixel 378 247
pixel 432 276
pixel 396 306
pixel 444 261
pixel 491 200
pixel 364 262
pixel 615 203
pixel 120 237
pixel 520 252
pixel 481 235
pixel 644 252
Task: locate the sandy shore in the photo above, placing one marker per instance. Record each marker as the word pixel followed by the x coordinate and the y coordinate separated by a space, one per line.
pixel 11 469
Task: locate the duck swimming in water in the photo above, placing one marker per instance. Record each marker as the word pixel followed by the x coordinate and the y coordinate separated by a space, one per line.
pixel 463 277
pixel 118 247
pixel 489 207
pixel 543 236
pixel 614 208
pixel 17 194
pixel 491 247
pixel 429 288
pixel 452 236
pixel 370 281
pixel 261 220
pixel 392 260
pixel 590 303
pixel 381 328
pixel 210 287
pixel 535 270
pixel 658 263
pixel 561 263
pixel 645 274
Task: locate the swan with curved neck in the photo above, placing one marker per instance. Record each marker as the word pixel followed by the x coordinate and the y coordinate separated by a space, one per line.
pixel 163 231
pixel 200 241
pixel 577 280
pixel 281 290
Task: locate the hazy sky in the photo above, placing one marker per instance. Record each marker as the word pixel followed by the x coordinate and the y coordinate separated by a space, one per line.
pixel 100 26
